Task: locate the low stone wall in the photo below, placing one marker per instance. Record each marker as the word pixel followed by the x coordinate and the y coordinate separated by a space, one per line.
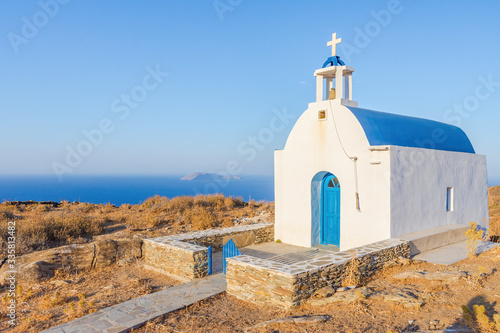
pixel 264 281
pixel 180 260
pixel 184 256
pixel 242 236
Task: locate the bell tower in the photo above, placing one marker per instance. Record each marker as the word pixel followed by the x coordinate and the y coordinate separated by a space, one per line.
pixel 337 76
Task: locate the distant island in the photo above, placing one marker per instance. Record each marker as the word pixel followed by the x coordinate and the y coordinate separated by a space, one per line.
pixel 208 176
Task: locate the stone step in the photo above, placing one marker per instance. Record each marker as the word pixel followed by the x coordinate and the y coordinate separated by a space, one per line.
pixel 453 253
pixel 429 239
pixel 332 248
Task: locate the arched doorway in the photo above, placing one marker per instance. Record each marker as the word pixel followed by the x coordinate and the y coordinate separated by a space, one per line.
pixel 330 210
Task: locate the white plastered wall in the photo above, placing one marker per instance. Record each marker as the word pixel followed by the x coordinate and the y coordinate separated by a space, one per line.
pixel 313 146
pixel 419 182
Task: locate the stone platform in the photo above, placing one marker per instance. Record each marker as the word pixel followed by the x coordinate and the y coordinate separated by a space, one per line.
pixel 287 275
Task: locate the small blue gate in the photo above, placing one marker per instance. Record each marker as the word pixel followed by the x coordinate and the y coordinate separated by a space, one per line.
pixel 229 250
pixel 209 260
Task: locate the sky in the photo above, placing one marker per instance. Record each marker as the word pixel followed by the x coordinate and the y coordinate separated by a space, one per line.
pixel 174 87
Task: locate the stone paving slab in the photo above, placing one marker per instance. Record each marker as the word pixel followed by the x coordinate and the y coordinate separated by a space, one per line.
pixel 453 253
pixel 135 312
pixel 325 258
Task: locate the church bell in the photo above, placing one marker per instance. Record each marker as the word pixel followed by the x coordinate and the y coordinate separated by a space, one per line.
pixel 331 94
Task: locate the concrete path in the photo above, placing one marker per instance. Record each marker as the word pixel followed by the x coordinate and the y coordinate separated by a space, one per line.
pixel 453 253
pixel 134 313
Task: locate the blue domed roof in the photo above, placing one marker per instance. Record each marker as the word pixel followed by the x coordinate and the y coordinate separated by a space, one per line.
pixel 390 129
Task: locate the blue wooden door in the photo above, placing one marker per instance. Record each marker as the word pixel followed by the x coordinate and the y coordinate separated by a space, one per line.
pixel 330 211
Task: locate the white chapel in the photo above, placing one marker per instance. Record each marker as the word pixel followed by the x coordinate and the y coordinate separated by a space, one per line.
pixel 350 176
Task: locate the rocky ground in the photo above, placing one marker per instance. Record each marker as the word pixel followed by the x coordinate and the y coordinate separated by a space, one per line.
pixel 494 206
pixel 407 297
pixel 55 285
pixel 70 295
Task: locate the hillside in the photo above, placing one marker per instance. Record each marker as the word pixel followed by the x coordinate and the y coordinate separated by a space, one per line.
pixel 43 225
pixel 494 205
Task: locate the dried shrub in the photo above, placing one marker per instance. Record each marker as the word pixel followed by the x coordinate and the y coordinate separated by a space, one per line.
pixel 351 275
pixel 83 208
pixel 474 235
pixel 54 300
pixel 229 203
pixel 156 204
pixel 227 222
pixel 180 204
pixel 37 231
pixel 478 318
pixel 154 220
pixel 108 208
pixel 6 215
pixel 43 208
pixel 202 218
pixel 201 211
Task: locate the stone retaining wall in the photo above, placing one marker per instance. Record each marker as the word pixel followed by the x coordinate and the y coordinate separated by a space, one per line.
pixel 264 281
pixel 184 256
pixel 242 236
pixel 180 260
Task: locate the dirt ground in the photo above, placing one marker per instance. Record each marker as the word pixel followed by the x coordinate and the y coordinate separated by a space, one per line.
pixel 49 303
pixel 494 207
pixel 442 305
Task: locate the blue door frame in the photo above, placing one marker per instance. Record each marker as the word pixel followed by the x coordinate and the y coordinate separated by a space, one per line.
pixel 330 211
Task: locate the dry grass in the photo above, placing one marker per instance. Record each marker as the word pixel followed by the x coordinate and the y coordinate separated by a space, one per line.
pixel 351 275
pixel 479 319
pixel 494 207
pixel 474 235
pixel 42 226
pixel 70 295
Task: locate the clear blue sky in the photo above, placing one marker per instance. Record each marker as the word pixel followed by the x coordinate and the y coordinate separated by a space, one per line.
pixel 230 69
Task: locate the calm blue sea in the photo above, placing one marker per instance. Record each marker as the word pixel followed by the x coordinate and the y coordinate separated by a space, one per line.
pixel 127 189
pixel 130 189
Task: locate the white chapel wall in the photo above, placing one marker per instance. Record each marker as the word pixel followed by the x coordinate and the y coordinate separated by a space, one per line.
pixel 419 182
pixel 313 147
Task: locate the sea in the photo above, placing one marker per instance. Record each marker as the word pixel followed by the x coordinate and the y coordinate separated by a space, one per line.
pixel 119 190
